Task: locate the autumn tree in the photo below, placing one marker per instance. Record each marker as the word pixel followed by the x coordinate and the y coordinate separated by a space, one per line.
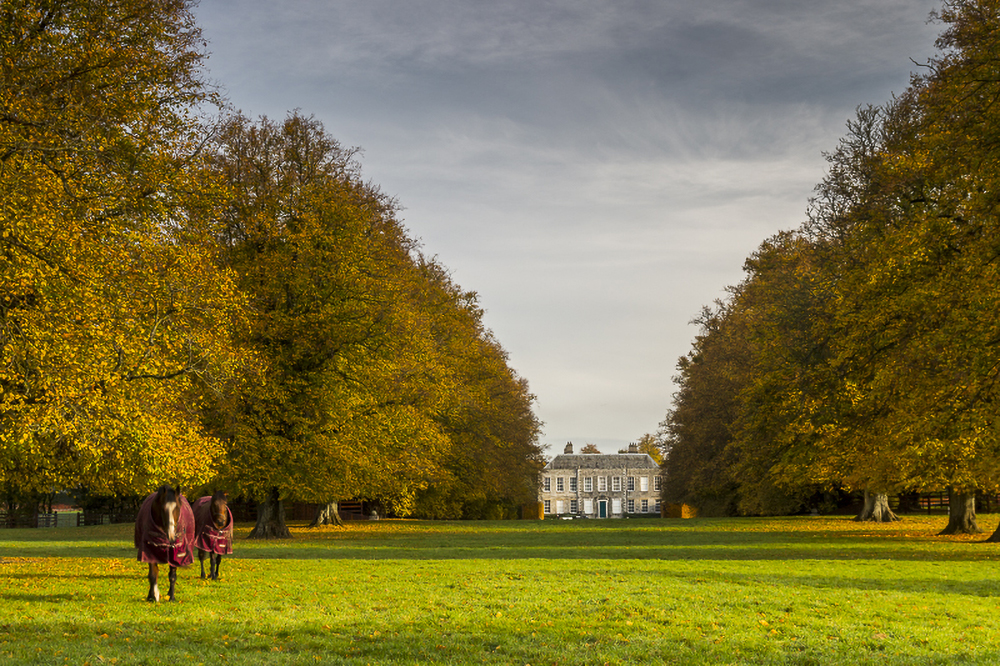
pixel 342 402
pixel 957 264
pixel 493 460
pixel 697 430
pixel 114 319
pixel 650 445
pixel 914 277
pixel 720 452
pixel 871 341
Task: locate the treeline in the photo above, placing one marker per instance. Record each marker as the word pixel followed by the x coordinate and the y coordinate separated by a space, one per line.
pixel 861 352
pixel 191 296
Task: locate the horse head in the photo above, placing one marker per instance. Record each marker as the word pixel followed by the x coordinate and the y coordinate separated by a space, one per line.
pixel 167 510
pixel 220 509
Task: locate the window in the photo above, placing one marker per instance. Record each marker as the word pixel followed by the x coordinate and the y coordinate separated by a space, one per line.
pixel 656 483
pixel 572 506
pixel 602 484
pixel 572 484
pixel 588 485
pixel 631 506
pixel 560 484
pixel 631 483
pixel 548 506
pixel 588 506
pixel 657 507
pixel 616 506
pixel 644 484
pixel 547 484
pixel 616 484
pixel 645 506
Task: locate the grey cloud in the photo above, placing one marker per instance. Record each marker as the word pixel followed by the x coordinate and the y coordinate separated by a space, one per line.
pixel 596 169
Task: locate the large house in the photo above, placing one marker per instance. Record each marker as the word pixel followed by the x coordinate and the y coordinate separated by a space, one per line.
pixel 596 485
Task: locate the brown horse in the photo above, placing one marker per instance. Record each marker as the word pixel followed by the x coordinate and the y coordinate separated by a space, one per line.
pixel 214 529
pixel 164 534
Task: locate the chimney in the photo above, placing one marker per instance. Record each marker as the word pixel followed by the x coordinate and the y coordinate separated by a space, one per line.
pixel 633 447
pixel 569 447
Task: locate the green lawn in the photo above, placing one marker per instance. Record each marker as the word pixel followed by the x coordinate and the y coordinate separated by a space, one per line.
pixel 754 591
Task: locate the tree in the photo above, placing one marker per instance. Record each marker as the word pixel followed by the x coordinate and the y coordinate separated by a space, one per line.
pixel 650 445
pixel 855 195
pixel 909 274
pixel 870 331
pixel 697 430
pixel 492 464
pixel 342 402
pixel 917 280
pixel 114 319
pixel 959 131
pixel 590 448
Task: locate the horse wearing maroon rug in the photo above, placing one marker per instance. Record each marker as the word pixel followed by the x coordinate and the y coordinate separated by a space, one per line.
pixel 164 534
pixel 214 531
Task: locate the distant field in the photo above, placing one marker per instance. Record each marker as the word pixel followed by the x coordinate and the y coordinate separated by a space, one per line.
pixel 739 591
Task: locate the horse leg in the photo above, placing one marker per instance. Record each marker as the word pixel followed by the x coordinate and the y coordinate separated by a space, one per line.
pixel 154 589
pixel 201 560
pixel 173 581
pixel 216 565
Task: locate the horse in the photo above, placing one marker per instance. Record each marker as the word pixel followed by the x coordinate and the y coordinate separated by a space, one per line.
pixel 164 534
pixel 214 529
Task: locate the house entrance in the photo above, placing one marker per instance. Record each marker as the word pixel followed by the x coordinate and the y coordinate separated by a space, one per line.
pixel 602 509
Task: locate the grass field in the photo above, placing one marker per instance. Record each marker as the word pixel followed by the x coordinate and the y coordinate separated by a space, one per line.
pixel 733 591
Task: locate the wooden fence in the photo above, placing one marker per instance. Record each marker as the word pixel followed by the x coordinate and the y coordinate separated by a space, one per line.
pixel 933 502
pixel 41 519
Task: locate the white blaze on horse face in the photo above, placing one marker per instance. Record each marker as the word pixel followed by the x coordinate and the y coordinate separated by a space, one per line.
pixel 170 508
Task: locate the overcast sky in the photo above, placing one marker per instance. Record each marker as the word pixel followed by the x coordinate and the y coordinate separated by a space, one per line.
pixel 596 170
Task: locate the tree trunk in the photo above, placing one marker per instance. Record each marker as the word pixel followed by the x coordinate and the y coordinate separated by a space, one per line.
pixel 995 537
pixel 270 519
pixel 876 509
pixel 961 513
pixel 327 514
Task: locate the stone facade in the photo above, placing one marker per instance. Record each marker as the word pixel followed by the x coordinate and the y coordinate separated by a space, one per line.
pixel 591 485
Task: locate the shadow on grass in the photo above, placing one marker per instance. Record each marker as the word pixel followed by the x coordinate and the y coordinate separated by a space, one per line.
pixel 398 643
pixel 849 579
pixel 67 574
pixel 41 598
pixel 610 540
pixel 708 573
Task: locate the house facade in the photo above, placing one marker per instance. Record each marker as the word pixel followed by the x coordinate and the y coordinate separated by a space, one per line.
pixel 594 485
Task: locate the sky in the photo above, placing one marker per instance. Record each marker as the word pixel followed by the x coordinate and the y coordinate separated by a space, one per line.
pixel 596 170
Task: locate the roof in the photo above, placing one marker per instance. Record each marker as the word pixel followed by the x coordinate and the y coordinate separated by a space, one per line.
pixel 602 461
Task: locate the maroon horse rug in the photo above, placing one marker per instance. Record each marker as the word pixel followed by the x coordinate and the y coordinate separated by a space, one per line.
pixel 164 534
pixel 214 531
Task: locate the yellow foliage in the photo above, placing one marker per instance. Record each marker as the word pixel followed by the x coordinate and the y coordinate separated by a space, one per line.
pixel 114 321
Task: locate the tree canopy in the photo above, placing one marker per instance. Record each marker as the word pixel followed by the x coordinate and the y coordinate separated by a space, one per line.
pixel 113 319
pixel 195 297
pixel 870 357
